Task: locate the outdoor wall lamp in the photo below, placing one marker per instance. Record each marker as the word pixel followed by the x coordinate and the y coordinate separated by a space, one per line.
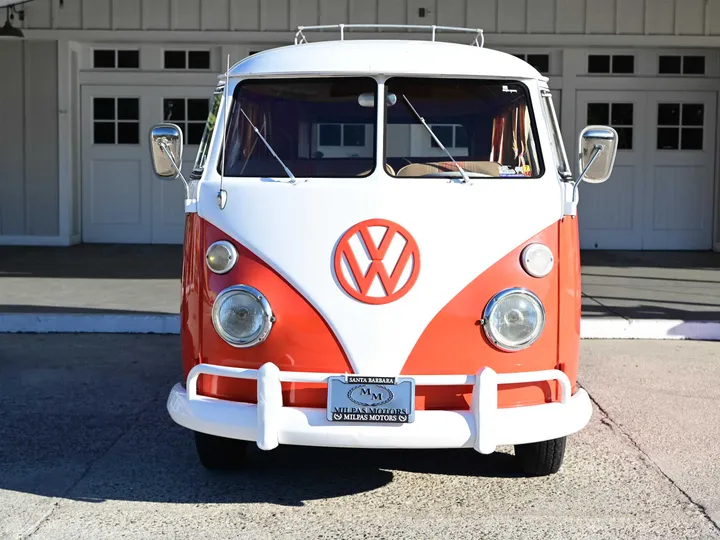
pixel 8 30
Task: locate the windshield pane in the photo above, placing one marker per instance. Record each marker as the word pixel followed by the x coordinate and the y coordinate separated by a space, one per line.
pixel 204 149
pixel 555 136
pixel 317 127
pixel 486 126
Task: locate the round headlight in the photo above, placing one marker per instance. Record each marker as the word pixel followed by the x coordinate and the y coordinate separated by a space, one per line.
pixel 514 319
pixel 242 316
pixel 537 260
pixel 221 257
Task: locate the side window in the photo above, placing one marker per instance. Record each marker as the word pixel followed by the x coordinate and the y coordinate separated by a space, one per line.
pixel 555 136
pixel 204 149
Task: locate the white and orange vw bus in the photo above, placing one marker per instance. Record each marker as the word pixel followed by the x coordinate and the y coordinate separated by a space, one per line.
pixel 381 251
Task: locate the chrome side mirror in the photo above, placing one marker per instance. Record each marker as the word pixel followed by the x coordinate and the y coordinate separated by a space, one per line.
pixel 166 149
pixel 598 149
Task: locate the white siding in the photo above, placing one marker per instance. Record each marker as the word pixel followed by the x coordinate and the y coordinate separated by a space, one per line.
pixel 628 17
pixel 29 139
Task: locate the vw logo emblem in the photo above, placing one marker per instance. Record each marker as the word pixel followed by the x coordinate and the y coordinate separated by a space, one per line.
pixel 377 261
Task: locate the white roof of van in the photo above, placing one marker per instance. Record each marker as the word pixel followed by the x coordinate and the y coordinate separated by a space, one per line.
pixel 387 57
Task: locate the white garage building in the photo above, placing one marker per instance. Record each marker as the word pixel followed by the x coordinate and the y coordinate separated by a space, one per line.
pixel 80 92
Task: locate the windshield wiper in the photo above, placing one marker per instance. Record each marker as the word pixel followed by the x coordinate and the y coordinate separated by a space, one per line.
pixel 293 180
pixel 466 179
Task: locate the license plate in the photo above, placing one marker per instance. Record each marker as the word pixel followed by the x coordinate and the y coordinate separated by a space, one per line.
pixel 372 400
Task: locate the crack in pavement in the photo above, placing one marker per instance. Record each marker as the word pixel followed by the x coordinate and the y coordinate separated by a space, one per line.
pixel 608 421
pixel 132 421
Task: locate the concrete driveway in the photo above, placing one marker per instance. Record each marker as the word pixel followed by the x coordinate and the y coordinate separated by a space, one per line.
pixel 88 451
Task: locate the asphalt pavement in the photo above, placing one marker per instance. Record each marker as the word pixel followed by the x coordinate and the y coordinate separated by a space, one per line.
pixel 87 451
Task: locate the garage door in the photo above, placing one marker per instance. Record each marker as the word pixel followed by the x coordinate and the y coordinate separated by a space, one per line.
pixel 660 195
pixel 122 201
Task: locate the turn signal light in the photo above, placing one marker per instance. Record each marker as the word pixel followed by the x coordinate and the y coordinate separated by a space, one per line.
pixel 221 257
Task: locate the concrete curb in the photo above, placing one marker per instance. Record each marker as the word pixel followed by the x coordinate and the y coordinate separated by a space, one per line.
pixel 618 328
pixel 82 323
pixel 591 328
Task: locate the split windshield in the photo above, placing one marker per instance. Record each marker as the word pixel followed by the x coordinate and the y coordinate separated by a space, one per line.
pixel 317 127
pixel 327 128
pixel 486 127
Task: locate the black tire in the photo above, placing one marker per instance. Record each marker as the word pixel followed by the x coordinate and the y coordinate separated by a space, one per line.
pixel 541 458
pixel 219 453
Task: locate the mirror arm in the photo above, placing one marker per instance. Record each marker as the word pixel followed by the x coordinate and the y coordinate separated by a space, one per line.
pixel 164 147
pixel 597 149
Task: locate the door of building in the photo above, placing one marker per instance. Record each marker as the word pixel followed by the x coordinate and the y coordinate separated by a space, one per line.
pixel 660 194
pixel 122 200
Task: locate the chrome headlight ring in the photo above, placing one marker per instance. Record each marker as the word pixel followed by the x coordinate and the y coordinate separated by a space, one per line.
pixel 505 343
pixel 266 317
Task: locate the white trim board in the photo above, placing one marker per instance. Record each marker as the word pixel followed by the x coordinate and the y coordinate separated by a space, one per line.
pixel 591 328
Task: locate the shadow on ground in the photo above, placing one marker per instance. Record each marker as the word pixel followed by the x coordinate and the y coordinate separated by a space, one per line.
pixel 68 310
pixel 603 307
pixel 83 417
pixel 695 260
pixel 96 261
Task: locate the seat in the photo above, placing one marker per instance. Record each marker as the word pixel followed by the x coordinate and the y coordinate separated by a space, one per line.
pixel 416 170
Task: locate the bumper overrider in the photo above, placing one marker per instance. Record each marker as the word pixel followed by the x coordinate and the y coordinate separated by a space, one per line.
pixel 483 427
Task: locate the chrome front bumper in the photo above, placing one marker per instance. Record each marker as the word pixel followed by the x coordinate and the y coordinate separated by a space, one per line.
pixel 483 427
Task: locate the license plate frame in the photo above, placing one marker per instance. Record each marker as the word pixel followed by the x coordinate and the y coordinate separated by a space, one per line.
pixel 371 400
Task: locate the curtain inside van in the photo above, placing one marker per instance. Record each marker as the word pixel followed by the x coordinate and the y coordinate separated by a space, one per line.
pixel 511 131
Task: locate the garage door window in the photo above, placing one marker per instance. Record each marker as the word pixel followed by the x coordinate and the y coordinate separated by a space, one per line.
pixel 188 113
pixel 541 62
pixel 681 65
pixel 116 121
pixel 116 59
pixel 182 60
pixel 618 115
pixel 601 64
pixel 680 126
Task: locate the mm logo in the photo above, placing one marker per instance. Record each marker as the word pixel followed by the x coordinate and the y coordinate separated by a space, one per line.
pixel 370 395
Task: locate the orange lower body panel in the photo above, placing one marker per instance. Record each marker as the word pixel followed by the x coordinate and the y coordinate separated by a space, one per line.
pixel 301 340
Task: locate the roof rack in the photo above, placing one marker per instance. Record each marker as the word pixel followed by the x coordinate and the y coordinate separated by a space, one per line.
pixel 479 40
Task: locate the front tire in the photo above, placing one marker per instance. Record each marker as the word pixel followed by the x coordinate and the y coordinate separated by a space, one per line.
pixel 219 453
pixel 541 458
